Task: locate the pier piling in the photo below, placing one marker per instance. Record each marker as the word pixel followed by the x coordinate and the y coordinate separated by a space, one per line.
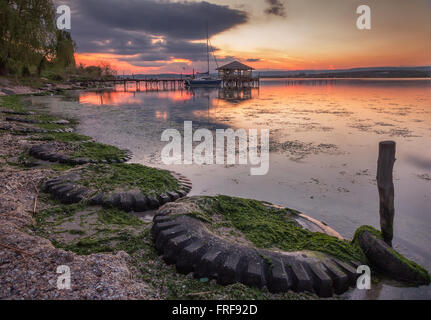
pixel 385 185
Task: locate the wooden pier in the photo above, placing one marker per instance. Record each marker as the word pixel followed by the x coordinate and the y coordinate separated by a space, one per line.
pixel 232 75
pixel 150 84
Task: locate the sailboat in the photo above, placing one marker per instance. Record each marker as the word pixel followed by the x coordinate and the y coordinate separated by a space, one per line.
pixel 204 79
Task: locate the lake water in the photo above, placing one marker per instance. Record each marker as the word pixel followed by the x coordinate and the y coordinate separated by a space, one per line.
pixel 324 139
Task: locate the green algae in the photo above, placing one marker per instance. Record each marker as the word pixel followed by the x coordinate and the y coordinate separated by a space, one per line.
pixel 50 126
pixel 60 167
pixel 118 217
pixel 61 137
pixel 98 151
pixel 12 102
pixel 125 241
pixel 15 103
pixel 40 117
pixel 271 227
pixel 128 177
pixel 23 161
pixel 161 278
pixel 361 229
pixel 416 268
pixel 110 229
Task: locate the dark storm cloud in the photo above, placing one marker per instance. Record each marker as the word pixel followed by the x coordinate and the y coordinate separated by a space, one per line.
pixel 116 42
pixel 184 20
pixel 276 8
pixel 91 36
pixel 152 30
pixel 185 49
pixel 179 49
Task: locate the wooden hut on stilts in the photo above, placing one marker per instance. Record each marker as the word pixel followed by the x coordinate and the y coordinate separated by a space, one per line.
pixel 237 75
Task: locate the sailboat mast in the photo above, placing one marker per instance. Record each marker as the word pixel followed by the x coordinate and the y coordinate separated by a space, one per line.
pixel 208 52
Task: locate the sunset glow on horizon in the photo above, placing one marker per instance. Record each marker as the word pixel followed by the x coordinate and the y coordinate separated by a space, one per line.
pixel 302 34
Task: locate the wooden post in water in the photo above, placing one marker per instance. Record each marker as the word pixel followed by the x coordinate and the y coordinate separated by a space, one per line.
pixel 385 185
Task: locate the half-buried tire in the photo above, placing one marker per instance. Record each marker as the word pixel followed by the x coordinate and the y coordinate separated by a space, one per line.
pixel 186 242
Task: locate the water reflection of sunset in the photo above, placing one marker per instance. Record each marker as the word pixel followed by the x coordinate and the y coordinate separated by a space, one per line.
pixel 286 105
pixel 181 95
pixel 161 115
pixel 115 98
pixel 288 108
pixel 120 97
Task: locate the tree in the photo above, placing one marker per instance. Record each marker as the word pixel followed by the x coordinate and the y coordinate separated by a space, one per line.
pixel 64 50
pixel 27 34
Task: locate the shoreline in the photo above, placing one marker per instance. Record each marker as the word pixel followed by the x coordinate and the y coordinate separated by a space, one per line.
pixel 9 87
pixel 29 261
pixel 32 194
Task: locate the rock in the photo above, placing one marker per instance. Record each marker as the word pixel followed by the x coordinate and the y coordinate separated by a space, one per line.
pixel 113 200
pixel 390 262
pixel 7 92
pixel 61 122
pixel 153 203
pixel 164 198
pixel 126 201
pixel 141 202
pixel 173 195
pixel 97 199
pixel 279 279
pixel 134 200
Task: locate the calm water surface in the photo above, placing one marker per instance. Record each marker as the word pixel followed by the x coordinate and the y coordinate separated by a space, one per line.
pixel 324 145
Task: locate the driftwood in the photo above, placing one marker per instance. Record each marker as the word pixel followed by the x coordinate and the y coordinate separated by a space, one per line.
pixel 385 185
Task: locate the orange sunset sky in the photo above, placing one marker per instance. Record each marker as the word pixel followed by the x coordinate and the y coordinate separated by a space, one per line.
pixel 275 35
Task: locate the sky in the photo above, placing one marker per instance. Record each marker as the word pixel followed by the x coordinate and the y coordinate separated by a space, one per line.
pixel 165 36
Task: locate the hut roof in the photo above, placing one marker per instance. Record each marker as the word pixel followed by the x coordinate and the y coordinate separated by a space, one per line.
pixel 235 65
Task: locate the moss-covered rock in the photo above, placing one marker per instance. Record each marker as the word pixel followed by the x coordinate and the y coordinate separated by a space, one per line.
pixel 387 260
pixel 130 187
pixel 98 151
pixel 125 176
pixel 61 137
pixel 78 151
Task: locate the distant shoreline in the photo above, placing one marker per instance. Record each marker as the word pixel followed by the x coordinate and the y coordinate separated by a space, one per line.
pixel 344 78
